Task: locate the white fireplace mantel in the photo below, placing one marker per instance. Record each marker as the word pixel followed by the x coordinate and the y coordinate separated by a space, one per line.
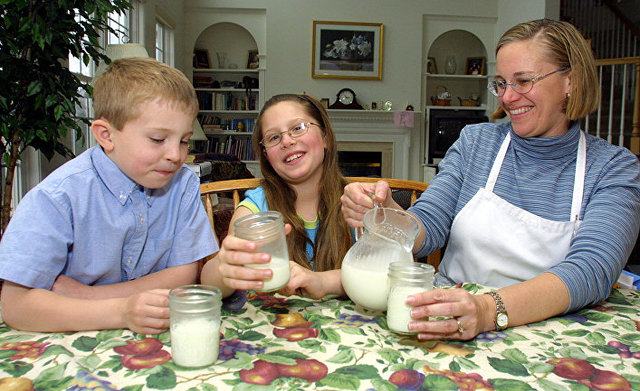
pixel 366 126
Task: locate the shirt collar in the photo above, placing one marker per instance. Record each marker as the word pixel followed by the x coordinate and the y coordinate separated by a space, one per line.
pixel 118 184
pixel 548 148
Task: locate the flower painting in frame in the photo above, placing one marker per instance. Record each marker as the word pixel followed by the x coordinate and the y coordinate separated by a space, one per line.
pixel 347 50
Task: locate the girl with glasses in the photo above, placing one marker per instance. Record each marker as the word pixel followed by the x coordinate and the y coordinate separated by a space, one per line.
pixel 535 208
pixel 299 161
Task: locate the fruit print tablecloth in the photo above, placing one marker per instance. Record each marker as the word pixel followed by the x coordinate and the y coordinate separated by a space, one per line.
pixel 271 342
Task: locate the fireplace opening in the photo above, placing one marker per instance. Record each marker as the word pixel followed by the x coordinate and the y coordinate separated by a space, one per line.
pixel 357 163
pixel 372 159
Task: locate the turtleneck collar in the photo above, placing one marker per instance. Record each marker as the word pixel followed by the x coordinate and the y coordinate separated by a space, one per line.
pixel 548 148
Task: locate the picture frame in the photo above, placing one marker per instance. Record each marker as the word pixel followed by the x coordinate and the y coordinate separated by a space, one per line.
pixel 475 66
pixel 334 57
pixel 325 103
pixel 201 58
pixel 432 66
pixel 253 61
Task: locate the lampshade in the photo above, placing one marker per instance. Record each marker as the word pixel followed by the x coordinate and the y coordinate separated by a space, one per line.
pixel 198 133
pixel 123 50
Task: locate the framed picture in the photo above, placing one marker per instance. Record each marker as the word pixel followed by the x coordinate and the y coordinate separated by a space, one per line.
pixel 325 103
pixel 253 62
pixel 201 58
pixel 432 67
pixel 346 50
pixel 475 65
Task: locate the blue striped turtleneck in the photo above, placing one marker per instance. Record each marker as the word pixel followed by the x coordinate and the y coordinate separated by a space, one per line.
pixel 537 175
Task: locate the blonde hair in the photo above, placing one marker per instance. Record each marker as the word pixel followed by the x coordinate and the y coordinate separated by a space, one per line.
pixel 333 237
pixel 564 46
pixel 119 92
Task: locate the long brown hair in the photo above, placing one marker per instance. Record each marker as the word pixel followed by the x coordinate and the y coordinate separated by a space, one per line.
pixel 565 47
pixel 333 237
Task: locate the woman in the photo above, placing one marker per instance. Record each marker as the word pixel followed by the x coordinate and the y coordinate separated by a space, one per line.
pixel 535 206
pixel 299 162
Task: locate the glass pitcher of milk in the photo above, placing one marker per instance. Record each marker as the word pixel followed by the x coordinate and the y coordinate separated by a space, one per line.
pixel 389 235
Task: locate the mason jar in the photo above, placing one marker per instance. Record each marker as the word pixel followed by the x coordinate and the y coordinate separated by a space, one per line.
pixel 266 229
pixel 405 279
pixel 195 324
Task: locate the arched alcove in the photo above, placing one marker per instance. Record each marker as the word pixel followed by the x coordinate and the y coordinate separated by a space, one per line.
pixel 229 38
pixel 458 43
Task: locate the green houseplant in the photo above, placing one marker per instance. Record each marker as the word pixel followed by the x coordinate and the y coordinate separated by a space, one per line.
pixel 38 93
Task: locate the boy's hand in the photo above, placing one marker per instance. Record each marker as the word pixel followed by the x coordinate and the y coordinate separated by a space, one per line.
pixel 67 286
pixel 147 312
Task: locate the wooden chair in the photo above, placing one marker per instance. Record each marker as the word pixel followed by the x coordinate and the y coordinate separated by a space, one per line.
pixel 235 186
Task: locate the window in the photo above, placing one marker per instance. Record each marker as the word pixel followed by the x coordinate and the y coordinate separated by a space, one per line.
pixel 164 42
pixel 122 24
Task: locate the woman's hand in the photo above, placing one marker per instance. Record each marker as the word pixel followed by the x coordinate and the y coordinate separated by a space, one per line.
pixel 358 198
pixel 317 285
pixel 466 314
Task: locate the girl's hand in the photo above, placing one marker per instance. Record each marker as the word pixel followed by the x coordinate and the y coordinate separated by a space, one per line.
pixel 234 256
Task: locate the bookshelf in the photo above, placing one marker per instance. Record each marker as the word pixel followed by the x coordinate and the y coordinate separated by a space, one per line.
pixel 229 102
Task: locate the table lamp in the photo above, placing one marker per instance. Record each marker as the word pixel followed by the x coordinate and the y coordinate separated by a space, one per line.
pixel 198 134
pixel 122 50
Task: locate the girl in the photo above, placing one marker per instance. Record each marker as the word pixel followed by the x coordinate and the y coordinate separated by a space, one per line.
pixel 302 181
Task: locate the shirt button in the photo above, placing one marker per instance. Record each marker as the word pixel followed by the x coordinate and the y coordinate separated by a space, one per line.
pixel 141 219
pixel 128 261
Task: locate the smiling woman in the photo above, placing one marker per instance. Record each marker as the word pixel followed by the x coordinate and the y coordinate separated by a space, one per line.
pixel 536 216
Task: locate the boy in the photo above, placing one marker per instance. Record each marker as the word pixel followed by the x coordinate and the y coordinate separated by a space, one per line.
pixel 98 243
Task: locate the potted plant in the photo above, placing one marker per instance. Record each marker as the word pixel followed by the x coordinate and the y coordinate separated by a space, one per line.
pixel 38 93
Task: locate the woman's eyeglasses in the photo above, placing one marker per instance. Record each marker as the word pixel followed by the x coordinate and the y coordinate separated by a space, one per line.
pixel 521 85
pixel 271 140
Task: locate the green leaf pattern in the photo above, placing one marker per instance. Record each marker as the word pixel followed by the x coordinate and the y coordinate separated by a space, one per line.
pixel 356 347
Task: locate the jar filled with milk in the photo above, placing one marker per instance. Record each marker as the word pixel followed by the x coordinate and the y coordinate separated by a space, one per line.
pixel 405 279
pixel 266 229
pixel 195 324
pixel 388 237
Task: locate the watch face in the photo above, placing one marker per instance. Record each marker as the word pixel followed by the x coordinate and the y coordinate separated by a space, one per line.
pixel 345 97
pixel 502 320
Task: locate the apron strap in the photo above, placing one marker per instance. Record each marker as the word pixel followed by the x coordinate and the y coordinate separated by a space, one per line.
pixel 497 164
pixel 578 183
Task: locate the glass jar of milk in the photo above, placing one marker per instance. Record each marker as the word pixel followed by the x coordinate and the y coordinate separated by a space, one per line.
pixel 195 324
pixel 266 229
pixel 405 279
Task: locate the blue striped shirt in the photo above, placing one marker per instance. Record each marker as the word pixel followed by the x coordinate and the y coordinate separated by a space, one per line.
pixel 537 175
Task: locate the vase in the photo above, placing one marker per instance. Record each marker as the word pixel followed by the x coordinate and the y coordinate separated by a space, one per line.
pixel 222 59
pixel 450 65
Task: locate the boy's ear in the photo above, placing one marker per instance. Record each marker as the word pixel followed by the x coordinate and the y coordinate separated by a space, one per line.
pixel 102 130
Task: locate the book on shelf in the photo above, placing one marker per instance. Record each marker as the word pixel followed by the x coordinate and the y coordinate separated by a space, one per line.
pixel 241 147
pixel 203 81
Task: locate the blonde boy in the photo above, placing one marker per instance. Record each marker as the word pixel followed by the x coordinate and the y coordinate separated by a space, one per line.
pixel 98 243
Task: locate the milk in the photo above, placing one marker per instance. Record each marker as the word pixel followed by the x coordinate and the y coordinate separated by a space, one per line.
pixel 281 274
pixel 398 312
pixel 366 287
pixel 195 342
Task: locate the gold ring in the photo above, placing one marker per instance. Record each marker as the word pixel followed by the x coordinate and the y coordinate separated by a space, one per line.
pixel 460 328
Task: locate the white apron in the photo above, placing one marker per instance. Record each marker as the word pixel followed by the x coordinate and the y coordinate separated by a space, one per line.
pixel 495 243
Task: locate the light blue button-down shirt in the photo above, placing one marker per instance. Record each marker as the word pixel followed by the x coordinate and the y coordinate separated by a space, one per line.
pixel 89 221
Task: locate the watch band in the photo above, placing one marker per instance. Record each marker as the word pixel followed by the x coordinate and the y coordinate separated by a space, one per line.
pixel 502 318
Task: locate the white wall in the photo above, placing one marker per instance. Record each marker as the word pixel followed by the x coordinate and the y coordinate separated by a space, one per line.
pixel 283 33
pixel 288 41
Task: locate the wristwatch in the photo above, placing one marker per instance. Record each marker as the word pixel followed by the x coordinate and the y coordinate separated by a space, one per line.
pixel 502 318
